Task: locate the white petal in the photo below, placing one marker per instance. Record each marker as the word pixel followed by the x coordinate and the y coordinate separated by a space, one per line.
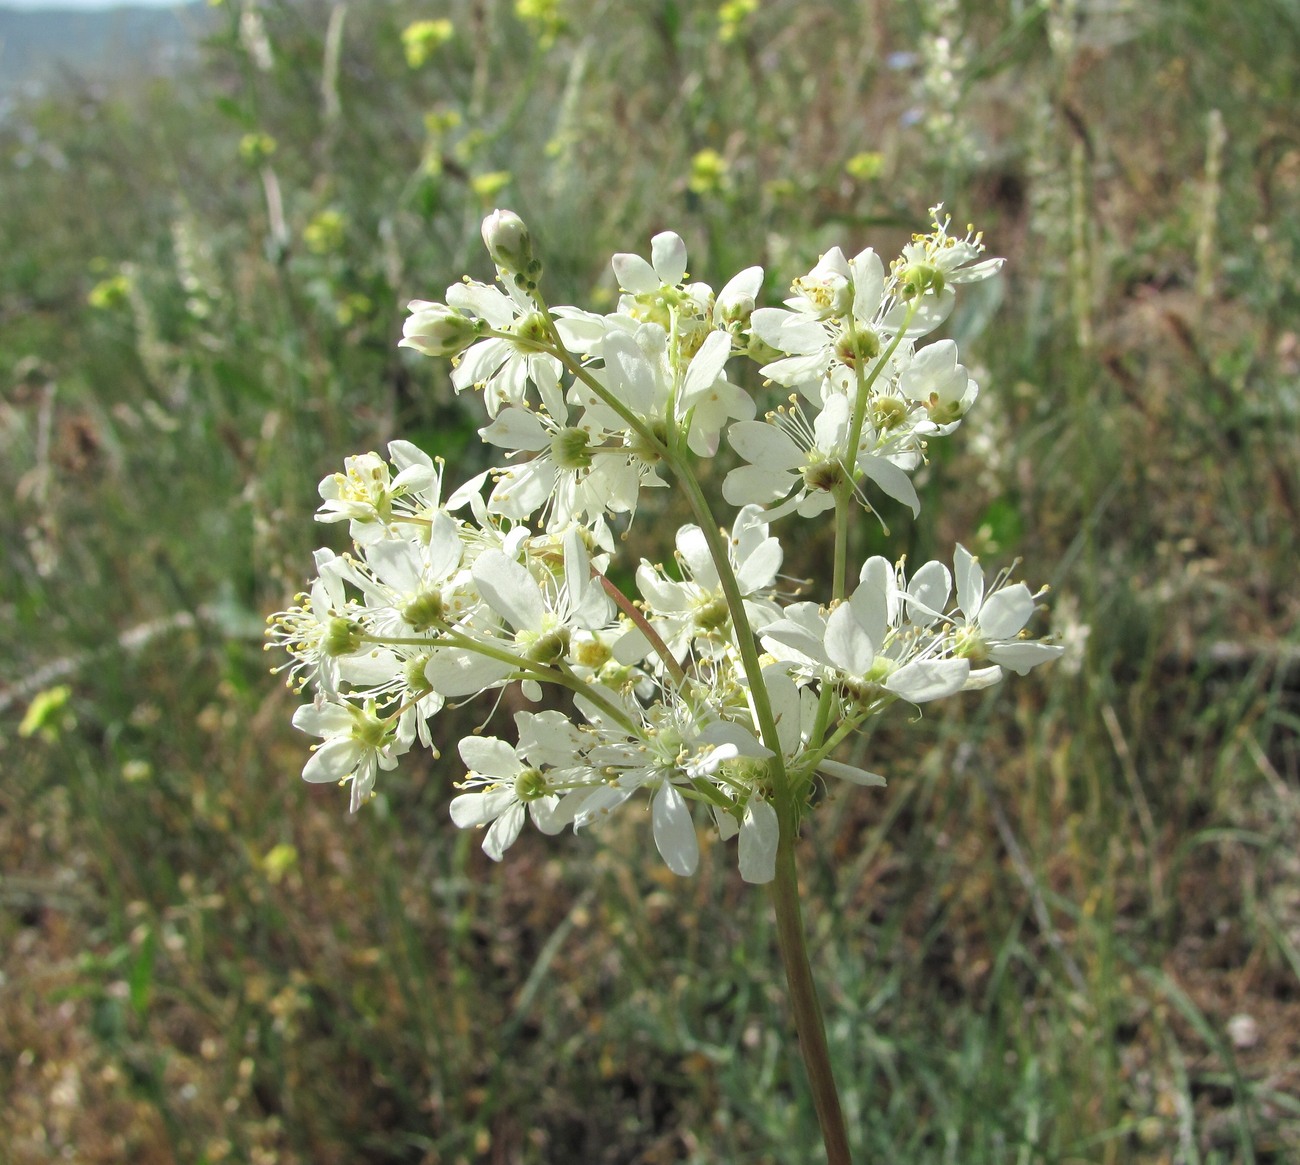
pixel 756 483
pixel 453 672
pixel 868 284
pixel 759 832
pixel 978 271
pixel 489 756
pixel 931 311
pixel 970 581
pixel 706 366
pixel 1006 612
pixel 509 590
pixel 759 569
pixel 876 598
pixel 668 256
pixel 851 773
pixel 848 646
pixel 748 282
pixel 326 720
pixel 694 549
pixel 636 377
pixel 516 428
pixel 634 274
pixel 445 549
pixel 333 761
pixel 523 488
pixel 928 591
pixel 675 831
pixel 784 697
pixel 482 300
pixel 923 680
pixel 471 809
pixel 765 445
pixel 599 803
pixel 1020 657
pixel 503 832
pixel 892 480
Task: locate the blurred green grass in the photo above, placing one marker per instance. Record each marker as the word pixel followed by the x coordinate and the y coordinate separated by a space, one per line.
pixel 1069 931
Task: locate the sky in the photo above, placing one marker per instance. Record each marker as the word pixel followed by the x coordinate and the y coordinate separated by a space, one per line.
pixel 86 5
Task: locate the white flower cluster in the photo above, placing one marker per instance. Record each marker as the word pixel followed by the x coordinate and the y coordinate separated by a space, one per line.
pixel 712 687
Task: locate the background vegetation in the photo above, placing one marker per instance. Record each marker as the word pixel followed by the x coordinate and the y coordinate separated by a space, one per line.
pixel 1069 931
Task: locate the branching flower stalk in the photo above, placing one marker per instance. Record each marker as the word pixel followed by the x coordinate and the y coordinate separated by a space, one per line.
pixel 713 690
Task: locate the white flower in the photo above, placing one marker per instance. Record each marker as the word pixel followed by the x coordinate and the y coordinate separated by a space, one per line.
pixel 408 583
pixel 786 453
pixel 504 366
pixel 934 379
pixel 694 612
pixel 992 622
pixel 371 498
pixel 503 786
pixel 672 753
pixel 544 620
pixel 323 633
pixel 356 744
pixel 361 495
pixel 573 477
pixel 833 318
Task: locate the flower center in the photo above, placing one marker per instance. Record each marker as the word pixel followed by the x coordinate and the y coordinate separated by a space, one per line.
pixel 571 449
pixel 530 785
pixel 823 475
pixel 424 611
pixel 342 637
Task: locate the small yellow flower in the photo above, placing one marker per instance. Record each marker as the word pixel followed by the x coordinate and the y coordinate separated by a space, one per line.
pixel 732 17
pixel 423 38
pixel 278 861
pixel 255 148
pixel 135 772
pixel 488 186
pixel 109 293
pixel 708 173
pixel 325 232
pixel 352 308
pixel 544 19
pixel 48 715
pixel 865 166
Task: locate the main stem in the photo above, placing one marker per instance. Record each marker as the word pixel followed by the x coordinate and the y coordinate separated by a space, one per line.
pixel 809 1025
pixel 810 1028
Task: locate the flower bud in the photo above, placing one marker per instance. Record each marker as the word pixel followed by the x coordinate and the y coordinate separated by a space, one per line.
pixel 511 247
pixel 437 330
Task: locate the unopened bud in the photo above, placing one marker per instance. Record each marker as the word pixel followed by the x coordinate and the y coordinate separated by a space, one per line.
pixel 511 247
pixel 438 330
pixel 918 278
pixel 735 309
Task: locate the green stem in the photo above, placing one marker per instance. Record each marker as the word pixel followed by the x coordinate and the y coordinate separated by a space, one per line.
pixel 844 493
pixel 523 668
pixel 746 642
pixel 809 1025
pixel 786 797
